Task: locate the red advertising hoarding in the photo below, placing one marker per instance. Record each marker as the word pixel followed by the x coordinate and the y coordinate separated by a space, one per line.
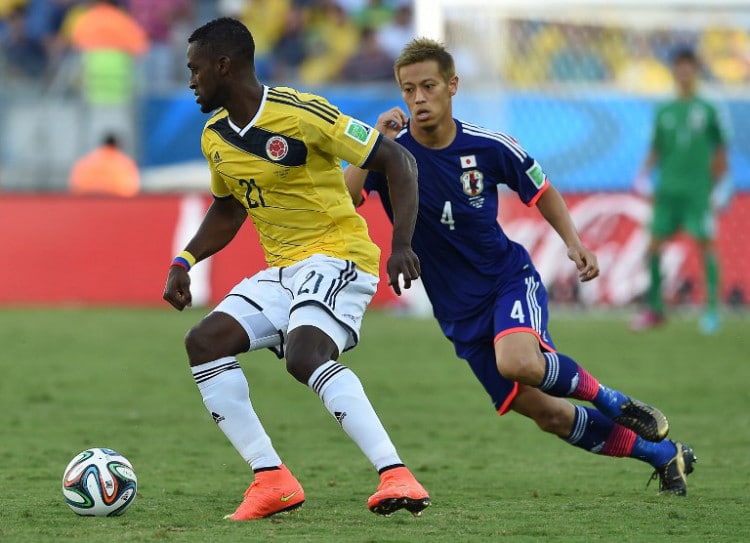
pixel 104 250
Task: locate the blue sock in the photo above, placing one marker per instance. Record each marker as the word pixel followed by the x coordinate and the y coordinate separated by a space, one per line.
pixel 590 429
pixel 609 400
pixel 596 433
pixel 564 378
pixel 655 453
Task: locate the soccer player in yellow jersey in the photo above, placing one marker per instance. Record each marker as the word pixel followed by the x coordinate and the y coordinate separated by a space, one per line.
pixel 275 155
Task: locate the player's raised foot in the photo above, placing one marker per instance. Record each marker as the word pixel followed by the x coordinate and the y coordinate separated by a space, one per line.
pixel 398 489
pixel 646 320
pixel 645 420
pixel 673 475
pixel 272 492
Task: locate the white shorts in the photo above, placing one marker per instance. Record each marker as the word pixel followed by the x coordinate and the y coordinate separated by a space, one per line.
pixel 328 293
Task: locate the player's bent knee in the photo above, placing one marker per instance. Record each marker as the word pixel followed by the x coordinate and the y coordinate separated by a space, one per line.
pixel 524 368
pixel 198 346
pixel 200 349
pixel 301 363
pixel 210 340
pixel 302 368
pixel 553 422
pixel 307 348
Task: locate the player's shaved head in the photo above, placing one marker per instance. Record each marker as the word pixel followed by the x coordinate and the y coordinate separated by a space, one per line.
pixel 225 37
pixel 422 50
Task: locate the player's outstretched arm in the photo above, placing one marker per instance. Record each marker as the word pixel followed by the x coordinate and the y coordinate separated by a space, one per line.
pixel 221 223
pixel 554 210
pixel 400 168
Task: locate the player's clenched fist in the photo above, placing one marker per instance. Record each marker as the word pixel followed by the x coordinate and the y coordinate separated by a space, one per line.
pixel 402 262
pixel 177 289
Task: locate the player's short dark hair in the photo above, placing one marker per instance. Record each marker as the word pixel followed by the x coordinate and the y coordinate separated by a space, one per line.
pixel 424 49
pixel 685 54
pixel 225 36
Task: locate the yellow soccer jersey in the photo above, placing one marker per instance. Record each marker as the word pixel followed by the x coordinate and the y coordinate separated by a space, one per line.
pixel 285 168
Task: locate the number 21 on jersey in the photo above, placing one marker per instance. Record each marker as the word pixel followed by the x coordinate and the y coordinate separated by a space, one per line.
pixel 447 217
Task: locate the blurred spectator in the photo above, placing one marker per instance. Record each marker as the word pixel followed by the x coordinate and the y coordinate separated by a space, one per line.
pixel 397 32
pixel 611 44
pixel 109 40
pixel 289 50
pixel 158 18
pixel 330 39
pixel 370 63
pixel 24 56
pixel 352 6
pixel 49 26
pixel 310 41
pixel 575 60
pixel 267 20
pixel 105 170
pixel 9 6
pixel 374 14
pixel 641 71
pixel 525 63
pixel 727 54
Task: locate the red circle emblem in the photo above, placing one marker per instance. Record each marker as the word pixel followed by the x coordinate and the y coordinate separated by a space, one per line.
pixel 276 148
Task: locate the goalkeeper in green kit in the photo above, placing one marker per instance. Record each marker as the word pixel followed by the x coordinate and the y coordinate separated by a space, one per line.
pixel 688 149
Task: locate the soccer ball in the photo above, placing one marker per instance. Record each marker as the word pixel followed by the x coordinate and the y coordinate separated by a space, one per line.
pixel 99 482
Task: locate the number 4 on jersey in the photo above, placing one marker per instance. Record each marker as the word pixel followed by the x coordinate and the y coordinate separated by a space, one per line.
pixel 447 216
pixel 517 312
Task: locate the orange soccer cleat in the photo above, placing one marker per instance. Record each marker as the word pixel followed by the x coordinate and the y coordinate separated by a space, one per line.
pixel 272 492
pixel 398 489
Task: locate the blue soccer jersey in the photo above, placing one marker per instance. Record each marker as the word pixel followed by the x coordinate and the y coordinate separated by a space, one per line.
pixel 466 257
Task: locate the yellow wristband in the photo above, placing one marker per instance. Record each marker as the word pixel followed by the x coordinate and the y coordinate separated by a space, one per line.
pixel 188 257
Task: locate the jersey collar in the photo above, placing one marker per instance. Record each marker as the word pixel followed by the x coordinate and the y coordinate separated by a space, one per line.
pixel 243 131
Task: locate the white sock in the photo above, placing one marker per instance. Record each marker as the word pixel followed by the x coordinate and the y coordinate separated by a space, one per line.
pixel 344 397
pixel 226 395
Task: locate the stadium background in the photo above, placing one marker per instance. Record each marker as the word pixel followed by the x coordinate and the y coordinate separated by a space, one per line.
pixel 575 82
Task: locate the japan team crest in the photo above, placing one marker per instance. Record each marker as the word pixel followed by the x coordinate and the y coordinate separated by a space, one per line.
pixel 276 148
pixel 473 182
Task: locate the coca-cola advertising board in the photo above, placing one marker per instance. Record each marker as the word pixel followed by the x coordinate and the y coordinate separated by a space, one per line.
pixel 60 249
pixel 615 227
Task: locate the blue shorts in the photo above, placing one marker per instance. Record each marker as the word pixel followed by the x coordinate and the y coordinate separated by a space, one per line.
pixel 520 306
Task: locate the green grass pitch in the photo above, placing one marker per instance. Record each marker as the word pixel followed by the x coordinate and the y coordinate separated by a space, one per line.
pixel 77 378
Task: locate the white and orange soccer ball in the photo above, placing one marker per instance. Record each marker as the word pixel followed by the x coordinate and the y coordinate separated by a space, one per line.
pixel 99 482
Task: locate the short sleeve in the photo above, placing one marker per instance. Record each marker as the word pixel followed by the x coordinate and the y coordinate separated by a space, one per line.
pixel 523 174
pixel 218 187
pixel 341 135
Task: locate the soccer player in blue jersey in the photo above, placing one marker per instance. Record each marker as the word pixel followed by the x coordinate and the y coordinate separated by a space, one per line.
pixel 485 291
pixel 274 154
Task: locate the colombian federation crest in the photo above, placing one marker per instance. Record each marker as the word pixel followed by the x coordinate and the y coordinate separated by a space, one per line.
pixel 276 148
pixel 473 182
